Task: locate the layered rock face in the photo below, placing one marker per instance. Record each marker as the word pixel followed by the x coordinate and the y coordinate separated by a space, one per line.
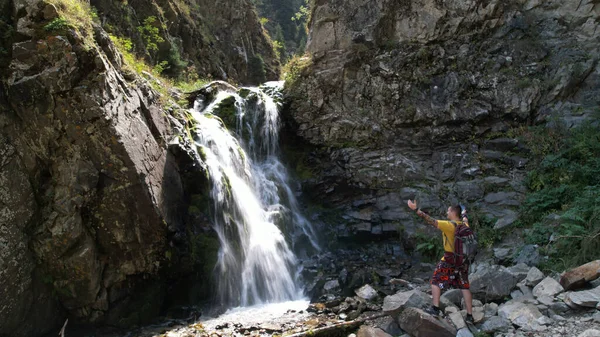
pixel 222 39
pixel 403 99
pixel 94 221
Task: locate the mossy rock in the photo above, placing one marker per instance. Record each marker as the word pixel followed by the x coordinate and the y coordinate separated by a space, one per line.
pixel 227 111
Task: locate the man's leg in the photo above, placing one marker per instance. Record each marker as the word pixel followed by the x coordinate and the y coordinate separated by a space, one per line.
pixel 468 300
pixel 436 292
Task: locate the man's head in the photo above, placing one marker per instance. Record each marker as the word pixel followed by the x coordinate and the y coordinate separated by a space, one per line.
pixel 454 212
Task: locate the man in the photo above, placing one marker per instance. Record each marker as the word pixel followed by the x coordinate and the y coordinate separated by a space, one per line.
pixel 446 274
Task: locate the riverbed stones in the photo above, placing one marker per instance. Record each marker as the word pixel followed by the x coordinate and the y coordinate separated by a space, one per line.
pixel 585 298
pixel 420 324
pixel 492 282
pixel 547 287
pixel 367 331
pixel 534 276
pixel 577 277
pixel 366 292
pixel 522 314
pixel 393 305
pixel 496 324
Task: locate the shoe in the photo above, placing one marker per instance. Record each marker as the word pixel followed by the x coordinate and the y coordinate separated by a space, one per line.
pixel 434 311
pixel 469 319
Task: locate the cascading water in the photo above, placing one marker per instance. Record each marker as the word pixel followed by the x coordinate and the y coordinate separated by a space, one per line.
pixel 251 196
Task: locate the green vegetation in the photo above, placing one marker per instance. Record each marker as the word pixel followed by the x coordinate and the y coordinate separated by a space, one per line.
pixel 561 212
pixel 151 33
pixel 292 70
pixel 73 13
pixel 429 246
pixel 285 21
pixel 483 226
pixel 256 70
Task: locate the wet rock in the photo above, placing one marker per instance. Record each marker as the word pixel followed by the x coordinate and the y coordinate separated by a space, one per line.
pixel 366 292
pixel 534 276
pixel 578 277
pixel 367 331
pixel 547 287
pixel 521 314
pixel 528 255
pixel 496 324
pixel 418 323
pixel 331 286
pixel 584 298
pixel 393 305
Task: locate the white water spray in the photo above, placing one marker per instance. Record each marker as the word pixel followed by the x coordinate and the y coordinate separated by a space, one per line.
pixel 251 197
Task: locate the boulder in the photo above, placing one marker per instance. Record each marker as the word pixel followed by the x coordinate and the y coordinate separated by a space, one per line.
pixel 451 297
pixel 547 287
pixel 490 309
pixel 584 298
pixel 529 255
pixel 534 276
pixel 457 319
pixel 519 271
pixel 492 282
pixel 389 325
pixel 521 314
pixel 331 286
pixel 420 324
pixel 366 292
pixel 577 277
pixel 502 254
pixel 495 324
pixel 367 331
pixel 464 332
pixel 393 305
pixel 590 333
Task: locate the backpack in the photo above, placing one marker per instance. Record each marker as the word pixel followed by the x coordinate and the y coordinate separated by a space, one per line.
pixel 465 244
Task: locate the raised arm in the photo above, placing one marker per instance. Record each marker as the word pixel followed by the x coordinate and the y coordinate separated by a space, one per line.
pixel 413 205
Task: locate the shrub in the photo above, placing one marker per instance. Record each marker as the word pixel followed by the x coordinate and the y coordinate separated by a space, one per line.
pixel 150 33
pixel 57 24
pixel 565 182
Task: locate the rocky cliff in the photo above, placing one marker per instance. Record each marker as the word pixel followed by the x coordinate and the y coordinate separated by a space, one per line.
pixel 218 39
pixel 100 201
pixel 403 99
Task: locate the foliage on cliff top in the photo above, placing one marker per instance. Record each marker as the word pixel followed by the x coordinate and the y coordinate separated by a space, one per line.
pixel 562 208
pixel 76 13
pixel 293 69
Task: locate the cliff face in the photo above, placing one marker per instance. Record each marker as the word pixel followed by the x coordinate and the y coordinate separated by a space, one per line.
pixel 421 98
pixel 95 181
pixel 220 39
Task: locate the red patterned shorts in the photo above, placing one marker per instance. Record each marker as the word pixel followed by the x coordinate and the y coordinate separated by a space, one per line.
pixel 447 276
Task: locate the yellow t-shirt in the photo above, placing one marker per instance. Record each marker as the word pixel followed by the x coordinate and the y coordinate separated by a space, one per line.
pixel 447 229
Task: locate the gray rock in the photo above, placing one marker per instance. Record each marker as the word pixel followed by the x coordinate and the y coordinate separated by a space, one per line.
pixel 418 323
pixel 492 282
pixel 451 297
pixel 389 325
pixel 519 271
pixel 584 298
pixel 529 255
pixel 534 276
pixel 367 331
pixel 590 333
pixel 366 292
pixel 508 219
pixel 544 320
pixel 496 324
pixel 516 294
pixel 464 332
pixel 490 309
pixel 457 319
pixel 521 314
pixel 546 300
pixel 547 287
pixel 596 317
pixel 559 307
pixel 502 254
pixel 393 305
pixel 331 285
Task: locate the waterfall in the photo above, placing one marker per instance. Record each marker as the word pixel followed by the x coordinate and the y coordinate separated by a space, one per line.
pixel 253 202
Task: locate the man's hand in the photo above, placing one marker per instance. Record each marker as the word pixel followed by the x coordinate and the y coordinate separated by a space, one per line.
pixel 412 204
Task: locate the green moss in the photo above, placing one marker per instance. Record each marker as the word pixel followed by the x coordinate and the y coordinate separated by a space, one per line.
pixel 227 111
